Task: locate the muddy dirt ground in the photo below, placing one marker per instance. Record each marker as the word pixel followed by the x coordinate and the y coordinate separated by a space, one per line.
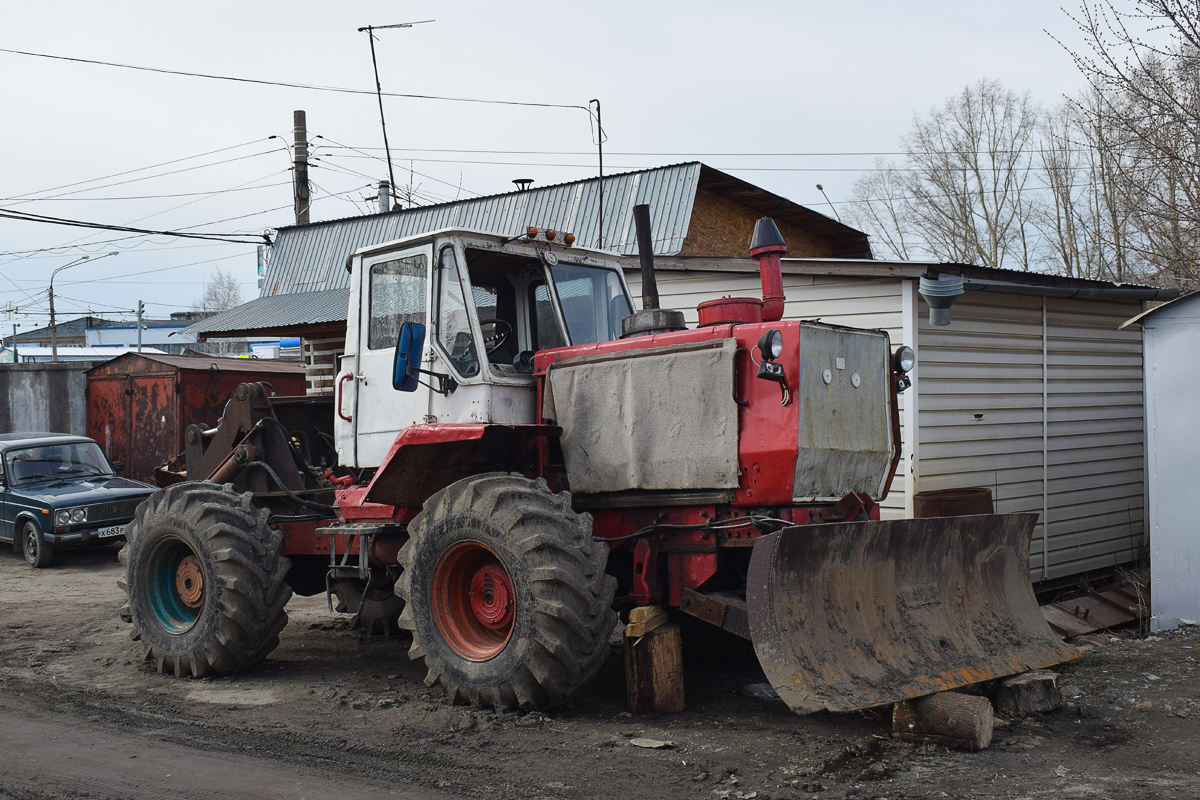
pixel 333 713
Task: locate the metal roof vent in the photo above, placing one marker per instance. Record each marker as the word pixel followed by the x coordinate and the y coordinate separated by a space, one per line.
pixel 940 292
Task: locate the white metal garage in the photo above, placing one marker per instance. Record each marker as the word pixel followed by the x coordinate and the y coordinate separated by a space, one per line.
pixel 1172 374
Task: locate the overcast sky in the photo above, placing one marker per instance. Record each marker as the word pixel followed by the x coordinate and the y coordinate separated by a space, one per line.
pixel 782 94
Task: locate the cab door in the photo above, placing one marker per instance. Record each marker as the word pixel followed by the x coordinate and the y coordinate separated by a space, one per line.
pixel 393 289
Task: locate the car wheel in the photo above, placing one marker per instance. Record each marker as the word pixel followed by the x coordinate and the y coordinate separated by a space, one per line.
pixel 38 552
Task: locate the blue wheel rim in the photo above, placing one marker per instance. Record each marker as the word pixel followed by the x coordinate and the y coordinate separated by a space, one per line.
pixel 166 604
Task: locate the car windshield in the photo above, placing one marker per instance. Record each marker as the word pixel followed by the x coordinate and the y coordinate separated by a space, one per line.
pixel 60 461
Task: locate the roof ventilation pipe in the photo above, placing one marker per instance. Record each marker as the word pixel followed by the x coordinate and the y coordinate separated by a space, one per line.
pixel 651 319
pixel 767 246
pixel 940 291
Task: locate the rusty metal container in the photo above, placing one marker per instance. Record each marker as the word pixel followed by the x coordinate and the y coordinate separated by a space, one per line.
pixel 953 502
pixel 140 404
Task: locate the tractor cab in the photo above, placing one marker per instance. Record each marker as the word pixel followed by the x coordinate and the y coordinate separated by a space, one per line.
pixel 442 328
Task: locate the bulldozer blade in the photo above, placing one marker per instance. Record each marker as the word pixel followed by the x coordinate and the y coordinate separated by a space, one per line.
pixel 847 616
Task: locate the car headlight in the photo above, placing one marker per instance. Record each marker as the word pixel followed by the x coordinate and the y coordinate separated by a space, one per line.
pixel 905 359
pixel 70 516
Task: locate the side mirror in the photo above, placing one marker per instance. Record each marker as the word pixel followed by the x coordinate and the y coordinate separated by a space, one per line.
pixel 117 466
pixel 409 347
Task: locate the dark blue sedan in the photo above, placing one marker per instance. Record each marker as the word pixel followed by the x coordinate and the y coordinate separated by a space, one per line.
pixel 58 490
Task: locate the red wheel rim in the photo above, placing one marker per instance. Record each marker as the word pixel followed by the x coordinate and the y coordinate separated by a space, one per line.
pixel 474 605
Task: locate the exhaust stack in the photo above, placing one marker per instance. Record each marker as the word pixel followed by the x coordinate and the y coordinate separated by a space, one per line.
pixel 767 246
pixel 651 319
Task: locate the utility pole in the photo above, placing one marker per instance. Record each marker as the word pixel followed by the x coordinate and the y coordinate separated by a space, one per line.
pixel 302 196
pixel 370 29
pixel 141 310
pixel 9 311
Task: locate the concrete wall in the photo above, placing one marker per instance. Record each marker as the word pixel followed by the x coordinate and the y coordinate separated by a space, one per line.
pixel 44 397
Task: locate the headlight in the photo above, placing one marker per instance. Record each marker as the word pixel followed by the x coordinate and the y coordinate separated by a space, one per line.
pixel 904 359
pixel 770 344
pixel 70 516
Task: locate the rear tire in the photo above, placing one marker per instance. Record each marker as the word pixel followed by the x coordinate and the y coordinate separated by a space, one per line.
pixel 505 593
pixel 37 551
pixel 204 578
pixel 380 610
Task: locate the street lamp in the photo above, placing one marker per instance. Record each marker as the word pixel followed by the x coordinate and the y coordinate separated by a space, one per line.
pixel 53 329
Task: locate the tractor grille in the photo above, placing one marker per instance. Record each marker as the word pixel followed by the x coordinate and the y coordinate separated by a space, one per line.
pixel 116 510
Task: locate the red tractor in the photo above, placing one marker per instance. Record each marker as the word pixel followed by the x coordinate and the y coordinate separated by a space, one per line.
pixel 512 453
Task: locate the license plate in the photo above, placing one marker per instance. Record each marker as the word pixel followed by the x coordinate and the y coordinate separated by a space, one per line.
pixel 115 530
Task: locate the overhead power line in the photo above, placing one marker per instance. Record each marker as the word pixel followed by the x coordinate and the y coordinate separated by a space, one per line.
pixel 29 199
pixel 236 238
pixel 141 169
pixel 151 196
pixel 287 85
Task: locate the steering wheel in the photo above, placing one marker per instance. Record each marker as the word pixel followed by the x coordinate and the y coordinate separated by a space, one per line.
pixel 463 356
pixel 498 335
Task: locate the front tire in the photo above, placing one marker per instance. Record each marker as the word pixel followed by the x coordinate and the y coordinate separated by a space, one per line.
pixel 505 593
pixel 37 551
pixel 204 578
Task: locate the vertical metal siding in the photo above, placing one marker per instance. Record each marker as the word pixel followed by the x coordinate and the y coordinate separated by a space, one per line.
pixel 982 421
pixel 980 417
pixel 1095 467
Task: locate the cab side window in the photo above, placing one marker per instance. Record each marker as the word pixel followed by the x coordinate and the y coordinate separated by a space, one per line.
pixel 453 326
pixel 396 296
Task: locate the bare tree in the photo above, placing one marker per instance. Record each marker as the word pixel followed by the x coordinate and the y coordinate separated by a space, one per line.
pixel 1143 59
pixel 1084 215
pixel 221 293
pixel 960 192
pixel 878 208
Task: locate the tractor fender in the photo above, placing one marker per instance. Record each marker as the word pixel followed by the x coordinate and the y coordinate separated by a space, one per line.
pixel 427 458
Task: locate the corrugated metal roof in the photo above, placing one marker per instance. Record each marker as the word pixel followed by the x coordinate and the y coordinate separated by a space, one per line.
pixel 302 308
pixel 312 258
pixel 306 281
pixel 208 362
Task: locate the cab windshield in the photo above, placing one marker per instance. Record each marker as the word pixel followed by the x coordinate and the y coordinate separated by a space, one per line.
pixel 512 297
pixel 593 302
pixel 56 462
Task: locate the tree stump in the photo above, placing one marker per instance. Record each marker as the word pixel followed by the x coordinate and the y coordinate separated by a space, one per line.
pixel 956 720
pixel 654 671
pixel 1029 693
